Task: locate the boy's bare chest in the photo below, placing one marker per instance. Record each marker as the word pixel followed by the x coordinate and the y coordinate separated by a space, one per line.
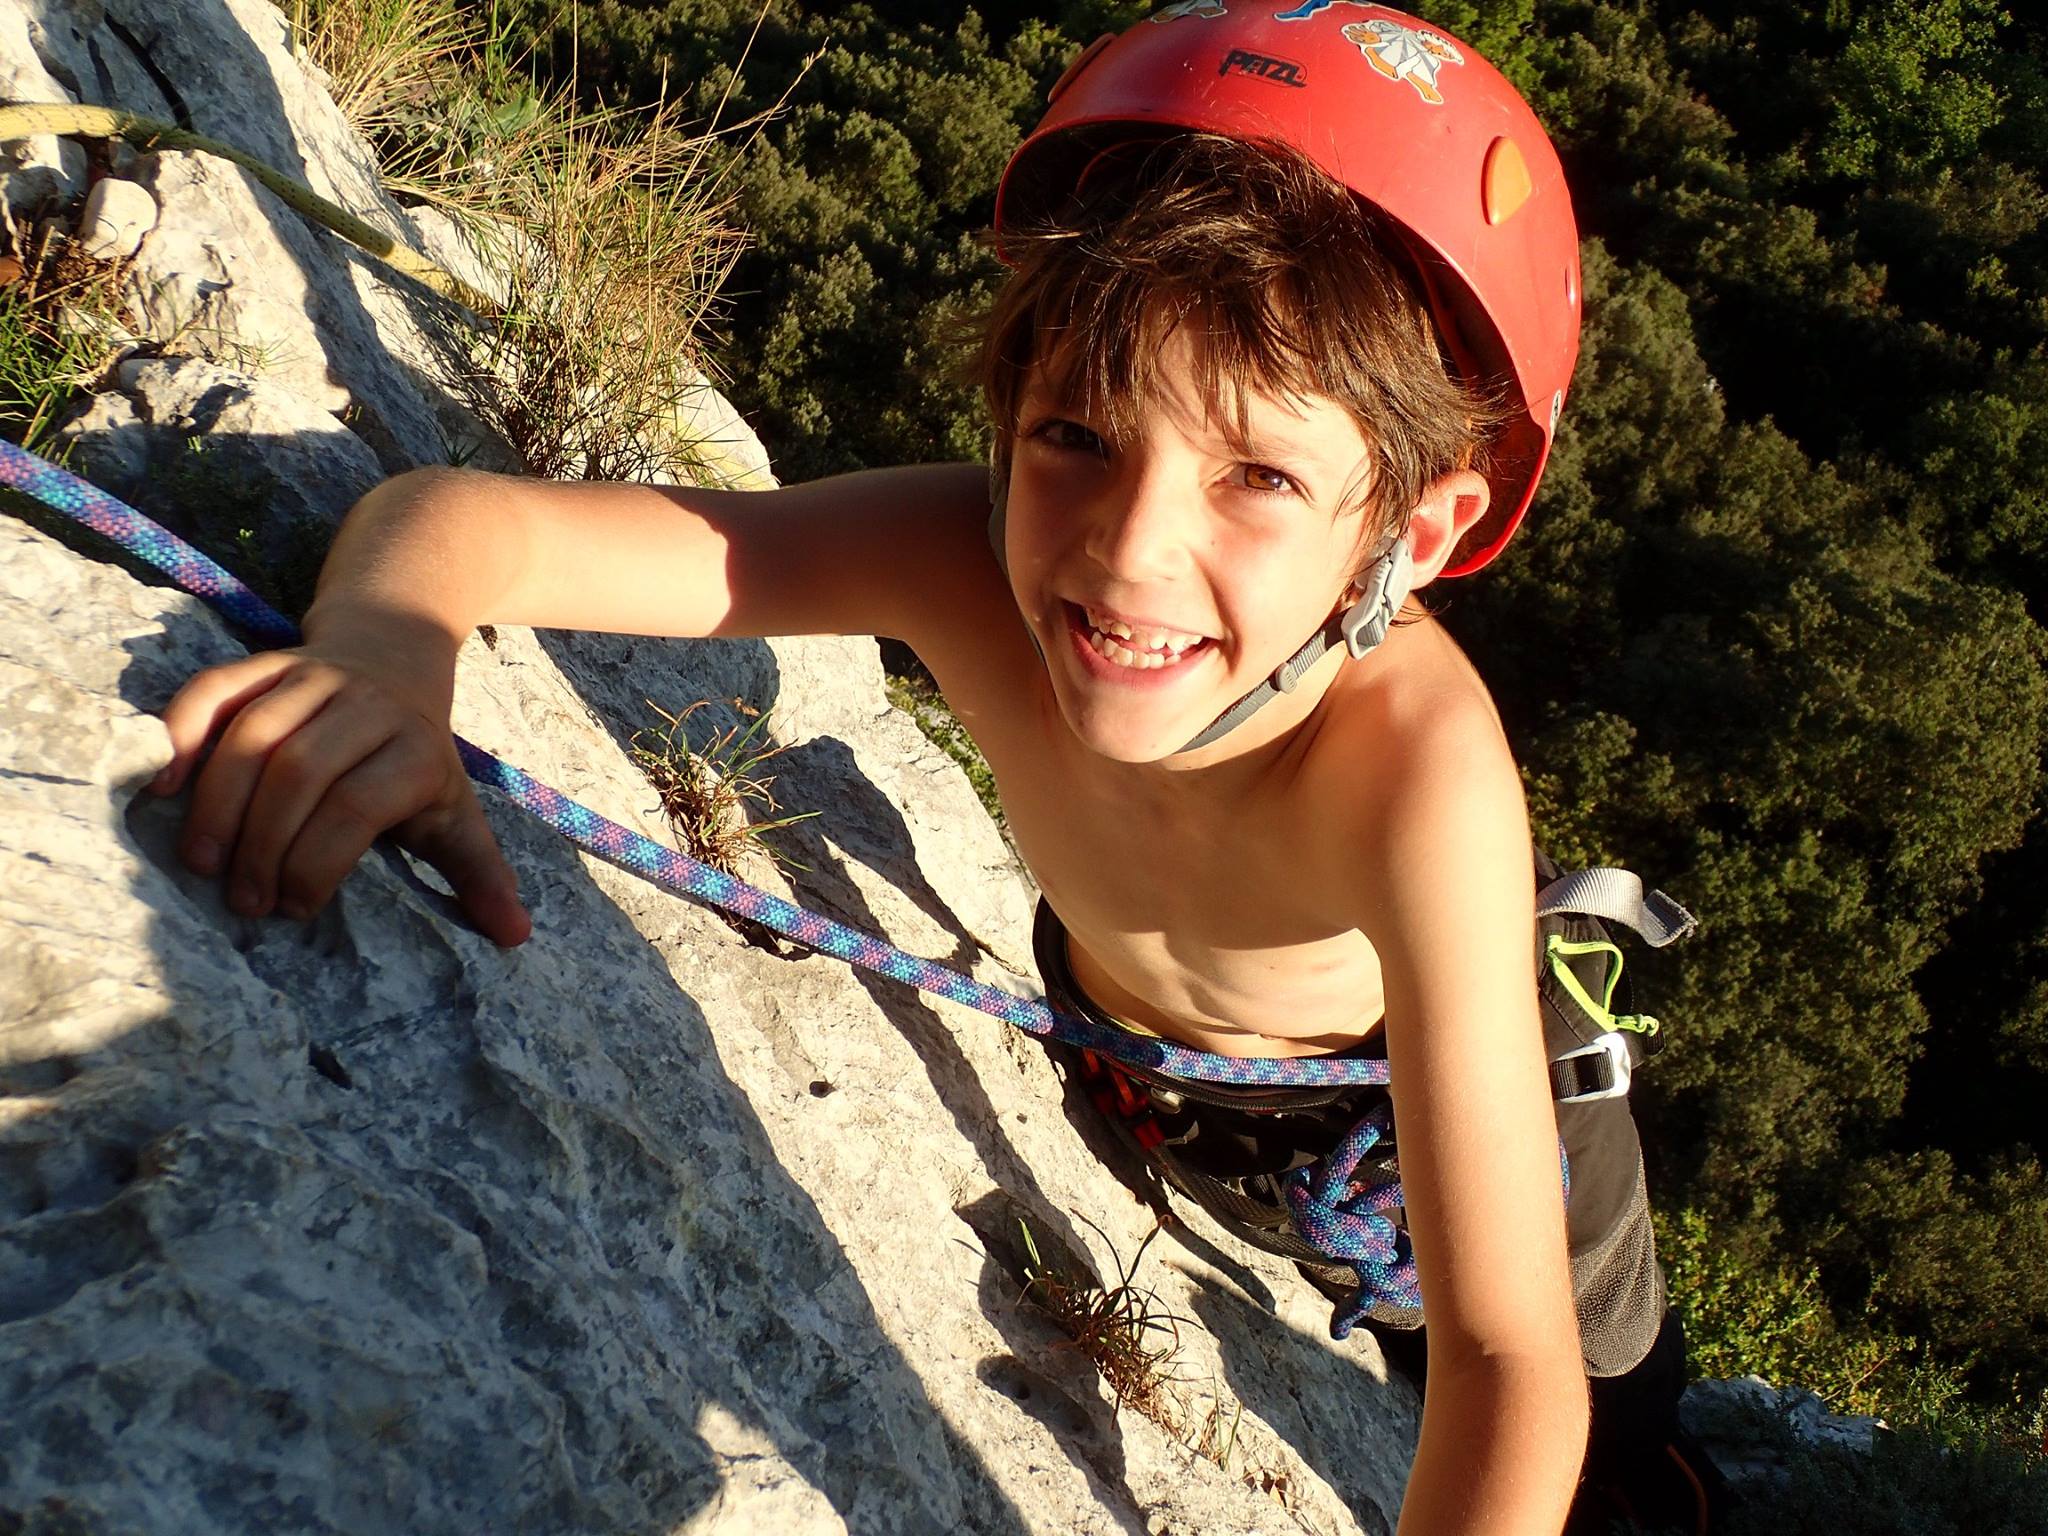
pixel 1214 925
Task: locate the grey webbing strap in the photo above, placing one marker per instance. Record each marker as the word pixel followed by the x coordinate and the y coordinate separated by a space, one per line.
pixel 1617 896
pixel 1283 680
pixel 1360 628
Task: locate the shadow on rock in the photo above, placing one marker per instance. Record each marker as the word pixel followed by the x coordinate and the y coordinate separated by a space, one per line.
pixel 1045 1373
pixel 365 1224
pixel 1356 1430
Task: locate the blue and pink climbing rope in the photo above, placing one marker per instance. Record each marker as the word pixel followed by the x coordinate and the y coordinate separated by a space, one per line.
pixel 1338 1211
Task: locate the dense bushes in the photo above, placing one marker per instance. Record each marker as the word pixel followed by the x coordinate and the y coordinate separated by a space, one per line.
pixel 1793 537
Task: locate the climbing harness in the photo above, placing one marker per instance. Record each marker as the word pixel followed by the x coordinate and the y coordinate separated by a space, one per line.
pixel 1310 1174
pixel 1341 1211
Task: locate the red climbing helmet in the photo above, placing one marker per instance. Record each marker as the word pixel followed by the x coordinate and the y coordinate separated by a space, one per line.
pixel 1407 117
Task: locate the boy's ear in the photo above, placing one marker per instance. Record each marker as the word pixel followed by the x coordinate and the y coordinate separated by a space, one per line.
pixel 1447 511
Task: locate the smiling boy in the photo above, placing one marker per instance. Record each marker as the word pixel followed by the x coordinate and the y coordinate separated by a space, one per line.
pixel 1254 377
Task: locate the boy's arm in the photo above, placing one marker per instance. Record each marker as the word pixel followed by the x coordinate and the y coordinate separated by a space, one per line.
pixel 1452 910
pixel 322 748
pixel 876 552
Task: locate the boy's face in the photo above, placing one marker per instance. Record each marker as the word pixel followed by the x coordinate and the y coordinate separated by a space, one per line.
pixel 1167 574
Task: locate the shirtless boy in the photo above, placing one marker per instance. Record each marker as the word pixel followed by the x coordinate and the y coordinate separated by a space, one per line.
pixel 1285 338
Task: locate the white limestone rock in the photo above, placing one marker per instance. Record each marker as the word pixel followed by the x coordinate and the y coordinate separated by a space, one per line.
pixel 622 1230
pixel 168 407
pixel 42 169
pixel 481 255
pixel 708 430
pixel 40 172
pixel 117 216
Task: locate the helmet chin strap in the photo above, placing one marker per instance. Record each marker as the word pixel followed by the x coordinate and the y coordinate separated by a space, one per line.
pixel 1361 627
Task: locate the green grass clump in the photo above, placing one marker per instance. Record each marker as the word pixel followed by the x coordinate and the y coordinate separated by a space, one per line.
pixel 716 797
pixel 60 312
pixel 42 368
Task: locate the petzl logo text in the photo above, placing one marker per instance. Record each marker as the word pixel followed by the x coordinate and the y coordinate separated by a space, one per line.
pixel 1263 67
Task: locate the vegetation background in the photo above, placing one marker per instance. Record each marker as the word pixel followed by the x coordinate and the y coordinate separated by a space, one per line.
pixel 1773 632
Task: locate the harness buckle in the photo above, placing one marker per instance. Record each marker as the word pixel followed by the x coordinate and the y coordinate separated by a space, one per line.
pixel 1613 1046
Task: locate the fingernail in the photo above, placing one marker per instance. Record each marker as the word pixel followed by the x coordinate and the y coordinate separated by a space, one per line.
pixel 297 911
pixel 245 898
pixel 203 854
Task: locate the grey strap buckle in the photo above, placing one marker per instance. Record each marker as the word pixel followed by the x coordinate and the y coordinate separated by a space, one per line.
pixel 1383 590
pixel 1614 1046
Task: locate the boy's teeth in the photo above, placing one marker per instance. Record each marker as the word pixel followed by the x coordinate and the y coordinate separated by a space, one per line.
pixel 1152 640
pixel 1157 647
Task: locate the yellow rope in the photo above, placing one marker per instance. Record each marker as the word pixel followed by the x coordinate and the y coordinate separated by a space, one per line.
pixel 21 119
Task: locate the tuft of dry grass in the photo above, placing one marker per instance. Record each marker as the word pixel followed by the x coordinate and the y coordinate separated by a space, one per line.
pixel 386 61
pixel 62 324
pixel 612 255
pixel 712 795
pixel 1130 1337
pixel 1135 1343
pixel 605 231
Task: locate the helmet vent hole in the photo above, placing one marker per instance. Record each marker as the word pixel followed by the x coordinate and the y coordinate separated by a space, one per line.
pixel 1505 183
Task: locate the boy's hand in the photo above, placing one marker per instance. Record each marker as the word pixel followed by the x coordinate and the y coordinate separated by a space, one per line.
pixel 320 750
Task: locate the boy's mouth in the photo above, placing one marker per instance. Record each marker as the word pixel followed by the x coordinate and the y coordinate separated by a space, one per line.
pixel 1138 646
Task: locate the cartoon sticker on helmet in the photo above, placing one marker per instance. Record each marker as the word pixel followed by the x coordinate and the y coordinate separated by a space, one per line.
pixel 1309 8
pixel 1191 8
pixel 1414 54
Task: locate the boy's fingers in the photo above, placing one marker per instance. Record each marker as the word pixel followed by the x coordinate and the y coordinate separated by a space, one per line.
pixel 457 841
pixel 383 792
pixel 332 770
pixel 226 783
pixel 384 788
pixel 205 703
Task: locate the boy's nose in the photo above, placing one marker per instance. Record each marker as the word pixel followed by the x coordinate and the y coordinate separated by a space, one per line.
pixel 1143 527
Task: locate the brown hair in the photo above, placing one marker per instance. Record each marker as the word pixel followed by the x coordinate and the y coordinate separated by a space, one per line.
pixel 1294 286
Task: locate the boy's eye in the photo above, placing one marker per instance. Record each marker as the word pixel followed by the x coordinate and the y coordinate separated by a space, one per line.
pixel 1069 436
pixel 1257 477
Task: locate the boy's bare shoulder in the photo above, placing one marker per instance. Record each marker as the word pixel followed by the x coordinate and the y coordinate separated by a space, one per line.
pixel 1414 760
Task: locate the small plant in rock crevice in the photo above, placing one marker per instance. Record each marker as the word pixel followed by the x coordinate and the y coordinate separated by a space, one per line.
pixel 62 324
pixel 712 794
pixel 1131 1339
pixel 1135 1343
pixel 223 499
